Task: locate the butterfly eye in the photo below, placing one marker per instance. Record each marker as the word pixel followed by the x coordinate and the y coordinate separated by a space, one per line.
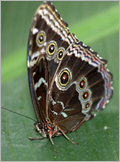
pixel 60 54
pixel 41 38
pixel 64 77
pixel 51 48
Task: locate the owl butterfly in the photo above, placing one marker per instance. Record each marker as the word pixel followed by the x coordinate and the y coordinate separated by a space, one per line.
pixel 67 79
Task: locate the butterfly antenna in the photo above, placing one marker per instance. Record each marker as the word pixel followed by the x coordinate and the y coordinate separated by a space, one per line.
pixel 18 113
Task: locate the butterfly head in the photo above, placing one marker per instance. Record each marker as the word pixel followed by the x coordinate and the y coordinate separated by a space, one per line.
pixel 40 128
pixel 46 129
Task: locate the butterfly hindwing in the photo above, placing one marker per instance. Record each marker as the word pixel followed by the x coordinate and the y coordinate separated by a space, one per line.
pixel 85 89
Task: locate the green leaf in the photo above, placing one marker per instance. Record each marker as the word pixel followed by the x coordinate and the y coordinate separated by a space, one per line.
pixel 97 25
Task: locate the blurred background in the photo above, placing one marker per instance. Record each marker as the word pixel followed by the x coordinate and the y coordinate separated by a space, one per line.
pixel 97 25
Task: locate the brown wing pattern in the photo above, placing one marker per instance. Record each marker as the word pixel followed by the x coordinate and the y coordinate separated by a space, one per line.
pixel 88 87
pixel 48 39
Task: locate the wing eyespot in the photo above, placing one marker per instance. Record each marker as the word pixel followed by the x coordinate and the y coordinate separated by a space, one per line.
pixel 85 95
pixel 41 38
pixel 82 84
pixel 51 48
pixel 64 77
pixel 60 53
pixel 87 106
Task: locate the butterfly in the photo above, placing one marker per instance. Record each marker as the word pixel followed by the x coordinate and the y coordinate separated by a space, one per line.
pixel 67 79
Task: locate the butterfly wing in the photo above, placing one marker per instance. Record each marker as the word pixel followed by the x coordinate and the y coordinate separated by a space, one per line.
pixel 67 79
pixel 82 84
pixel 49 37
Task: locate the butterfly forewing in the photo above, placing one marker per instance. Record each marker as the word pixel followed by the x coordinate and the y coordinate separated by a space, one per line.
pixel 44 44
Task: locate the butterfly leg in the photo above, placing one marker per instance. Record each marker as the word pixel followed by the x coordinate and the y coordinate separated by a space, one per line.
pixel 40 138
pixel 50 137
pixel 67 136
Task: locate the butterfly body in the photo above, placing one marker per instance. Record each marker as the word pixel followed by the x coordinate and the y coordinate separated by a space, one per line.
pixel 67 79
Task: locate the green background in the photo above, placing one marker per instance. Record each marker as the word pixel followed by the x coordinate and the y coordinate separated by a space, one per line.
pixel 97 25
